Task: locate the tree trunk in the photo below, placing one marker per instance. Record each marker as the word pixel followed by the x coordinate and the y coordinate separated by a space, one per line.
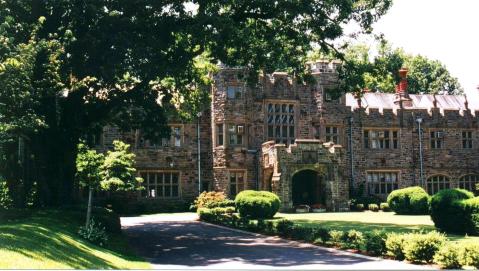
pixel 88 210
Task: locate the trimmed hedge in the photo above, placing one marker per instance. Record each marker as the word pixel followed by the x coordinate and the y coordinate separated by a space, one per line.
pixel 409 201
pixel 257 204
pixel 451 213
pixel 421 247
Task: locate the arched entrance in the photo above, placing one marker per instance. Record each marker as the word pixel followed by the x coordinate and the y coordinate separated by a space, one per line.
pixel 308 188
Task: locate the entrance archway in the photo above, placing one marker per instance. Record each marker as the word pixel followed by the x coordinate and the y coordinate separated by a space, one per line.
pixel 307 188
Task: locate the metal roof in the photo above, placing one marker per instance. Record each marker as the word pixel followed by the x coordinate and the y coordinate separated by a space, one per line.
pixel 419 101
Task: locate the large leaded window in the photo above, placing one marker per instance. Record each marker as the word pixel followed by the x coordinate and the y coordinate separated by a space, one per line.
pixel 469 182
pixel 382 183
pixel 437 183
pixel 236 183
pixel 381 139
pixel 281 122
pixel 160 184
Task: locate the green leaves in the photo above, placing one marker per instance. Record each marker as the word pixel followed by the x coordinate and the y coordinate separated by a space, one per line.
pixel 363 70
pixel 88 165
pixel 118 171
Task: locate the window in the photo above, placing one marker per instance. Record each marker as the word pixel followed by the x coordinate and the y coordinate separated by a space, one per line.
pixel 469 182
pixel 160 184
pixel 281 123
pixel 382 183
pixel 381 139
pixel 175 139
pixel 437 183
pixel 467 139
pixel 236 183
pixel 234 92
pixel 332 134
pixel 176 136
pixel 219 135
pixel 94 139
pixel 437 139
pixel 235 133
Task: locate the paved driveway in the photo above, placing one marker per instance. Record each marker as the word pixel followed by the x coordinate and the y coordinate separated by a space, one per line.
pixel 180 242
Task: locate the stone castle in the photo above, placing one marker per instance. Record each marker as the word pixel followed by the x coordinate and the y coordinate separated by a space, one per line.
pixel 299 142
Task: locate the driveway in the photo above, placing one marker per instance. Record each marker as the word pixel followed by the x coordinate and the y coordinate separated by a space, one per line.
pixel 178 241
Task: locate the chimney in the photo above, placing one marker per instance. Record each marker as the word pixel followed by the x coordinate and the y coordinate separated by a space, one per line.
pixel 402 96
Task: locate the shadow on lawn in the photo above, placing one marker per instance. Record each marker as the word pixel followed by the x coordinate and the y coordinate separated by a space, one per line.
pixel 42 237
pixel 194 244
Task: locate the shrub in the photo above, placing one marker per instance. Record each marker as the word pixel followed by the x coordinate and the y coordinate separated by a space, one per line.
pixel 206 214
pixel 321 236
pixel 446 214
pixel 6 201
pixel 375 242
pixel 359 207
pixel 353 239
pixel 284 227
pixel 420 247
pixel 467 215
pixel 336 237
pixel 384 207
pixel 395 245
pixel 373 207
pixel 269 227
pixel 448 257
pixel 257 204
pixel 223 204
pixel 94 233
pixel 300 232
pixel 107 218
pixel 411 200
pixel 206 199
pixel 469 255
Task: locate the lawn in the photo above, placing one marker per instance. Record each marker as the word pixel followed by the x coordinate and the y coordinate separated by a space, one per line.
pixel 367 221
pixel 48 240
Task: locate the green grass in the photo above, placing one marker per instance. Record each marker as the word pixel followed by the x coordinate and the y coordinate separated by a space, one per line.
pixel 368 221
pixel 49 240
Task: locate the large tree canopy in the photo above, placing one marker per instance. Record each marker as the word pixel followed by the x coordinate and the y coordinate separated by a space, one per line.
pixel 81 64
pixel 378 71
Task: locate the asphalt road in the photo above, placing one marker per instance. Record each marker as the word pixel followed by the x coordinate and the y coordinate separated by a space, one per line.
pixel 180 242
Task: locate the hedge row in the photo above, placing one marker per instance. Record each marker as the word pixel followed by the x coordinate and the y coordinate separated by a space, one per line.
pixel 415 247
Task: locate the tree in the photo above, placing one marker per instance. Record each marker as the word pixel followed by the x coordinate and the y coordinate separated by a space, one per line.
pixel 118 171
pixel 379 72
pixel 135 63
pixel 88 165
pixel 114 171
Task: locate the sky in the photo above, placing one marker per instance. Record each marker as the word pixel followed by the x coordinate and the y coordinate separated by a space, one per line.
pixel 446 30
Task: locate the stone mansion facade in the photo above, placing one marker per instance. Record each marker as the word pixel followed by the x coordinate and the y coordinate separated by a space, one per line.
pixel 295 140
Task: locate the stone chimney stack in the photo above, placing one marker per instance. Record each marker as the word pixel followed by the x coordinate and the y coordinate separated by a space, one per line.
pixel 402 95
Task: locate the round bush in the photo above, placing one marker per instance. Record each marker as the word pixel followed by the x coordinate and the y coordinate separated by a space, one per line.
pixel 257 204
pixel 448 257
pixel 409 201
pixel 447 212
pixel 373 207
